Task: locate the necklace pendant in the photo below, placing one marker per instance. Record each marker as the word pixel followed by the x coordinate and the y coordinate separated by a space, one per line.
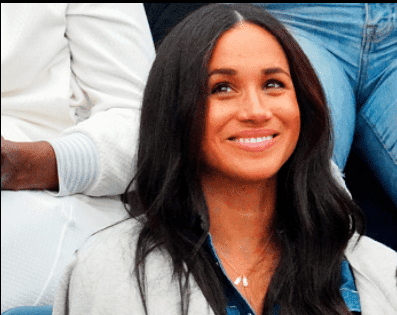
pixel 245 281
pixel 237 281
pixel 241 278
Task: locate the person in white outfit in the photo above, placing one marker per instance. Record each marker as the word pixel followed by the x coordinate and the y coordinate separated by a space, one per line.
pixel 72 78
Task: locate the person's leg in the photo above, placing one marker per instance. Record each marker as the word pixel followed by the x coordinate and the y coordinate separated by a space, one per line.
pixel 39 236
pixel 376 136
pixel 30 310
pixel 376 131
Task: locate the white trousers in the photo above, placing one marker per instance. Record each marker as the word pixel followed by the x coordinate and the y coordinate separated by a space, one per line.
pixel 39 236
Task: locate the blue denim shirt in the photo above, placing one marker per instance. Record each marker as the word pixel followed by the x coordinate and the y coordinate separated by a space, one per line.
pixel 237 305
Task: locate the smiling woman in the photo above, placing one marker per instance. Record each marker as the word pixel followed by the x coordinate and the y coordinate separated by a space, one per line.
pixel 241 212
pixel 252 126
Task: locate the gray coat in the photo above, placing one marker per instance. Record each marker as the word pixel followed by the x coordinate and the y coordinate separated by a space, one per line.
pixel 100 281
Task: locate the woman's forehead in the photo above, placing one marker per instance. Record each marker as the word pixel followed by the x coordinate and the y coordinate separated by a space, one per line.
pixel 246 45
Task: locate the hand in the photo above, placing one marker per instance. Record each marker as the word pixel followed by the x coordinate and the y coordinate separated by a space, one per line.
pixel 28 165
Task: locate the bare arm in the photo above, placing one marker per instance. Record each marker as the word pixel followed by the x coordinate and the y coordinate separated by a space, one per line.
pixel 28 165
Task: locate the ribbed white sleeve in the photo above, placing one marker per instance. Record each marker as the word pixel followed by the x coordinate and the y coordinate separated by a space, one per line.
pixel 77 163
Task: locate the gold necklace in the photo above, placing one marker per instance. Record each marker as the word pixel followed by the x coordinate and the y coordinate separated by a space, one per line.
pixel 244 279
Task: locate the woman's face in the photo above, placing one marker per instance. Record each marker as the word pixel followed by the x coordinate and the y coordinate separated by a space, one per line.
pixel 253 119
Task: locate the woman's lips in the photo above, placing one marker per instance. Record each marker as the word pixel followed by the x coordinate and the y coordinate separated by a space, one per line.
pixel 254 133
pixel 255 144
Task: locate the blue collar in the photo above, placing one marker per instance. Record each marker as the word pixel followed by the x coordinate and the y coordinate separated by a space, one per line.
pixel 238 305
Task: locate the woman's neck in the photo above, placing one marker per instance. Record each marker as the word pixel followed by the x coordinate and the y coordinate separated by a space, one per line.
pixel 241 213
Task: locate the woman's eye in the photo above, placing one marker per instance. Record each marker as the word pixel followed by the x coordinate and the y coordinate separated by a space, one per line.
pixel 274 84
pixel 221 88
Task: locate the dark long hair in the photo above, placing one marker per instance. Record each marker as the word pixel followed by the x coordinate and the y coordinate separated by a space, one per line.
pixel 315 217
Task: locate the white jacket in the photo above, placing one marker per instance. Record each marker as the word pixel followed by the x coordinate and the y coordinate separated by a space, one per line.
pixel 74 74
pixel 100 282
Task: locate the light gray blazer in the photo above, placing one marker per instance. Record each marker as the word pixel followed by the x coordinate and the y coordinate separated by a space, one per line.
pixel 100 281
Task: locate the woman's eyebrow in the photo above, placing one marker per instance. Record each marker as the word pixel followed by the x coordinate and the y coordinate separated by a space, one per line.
pixel 232 72
pixel 269 71
pixel 224 71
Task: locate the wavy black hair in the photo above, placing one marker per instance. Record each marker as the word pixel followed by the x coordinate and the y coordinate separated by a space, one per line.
pixel 315 216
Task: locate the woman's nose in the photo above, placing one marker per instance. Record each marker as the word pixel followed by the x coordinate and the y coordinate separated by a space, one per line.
pixel 255 107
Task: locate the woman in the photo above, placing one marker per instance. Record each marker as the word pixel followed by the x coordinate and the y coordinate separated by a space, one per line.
pixel 241 213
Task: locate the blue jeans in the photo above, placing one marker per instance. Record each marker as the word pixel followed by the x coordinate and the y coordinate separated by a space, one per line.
pixel 30 310
pixel 353 48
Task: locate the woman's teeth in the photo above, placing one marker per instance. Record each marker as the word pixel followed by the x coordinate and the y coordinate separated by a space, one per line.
pixel 253 140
